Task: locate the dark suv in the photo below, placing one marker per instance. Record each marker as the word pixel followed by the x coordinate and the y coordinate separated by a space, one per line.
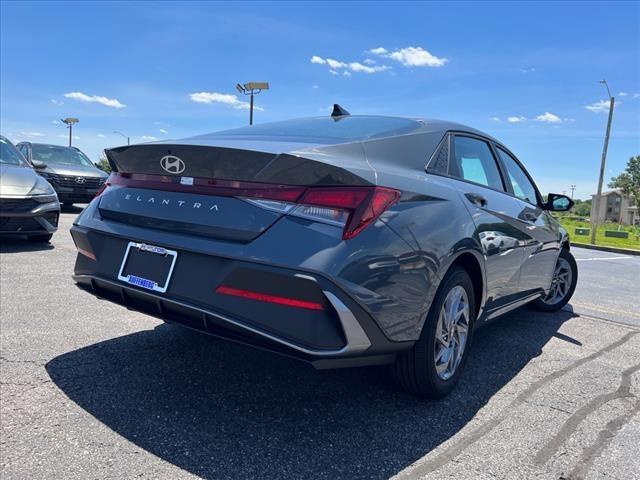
pixel 73 176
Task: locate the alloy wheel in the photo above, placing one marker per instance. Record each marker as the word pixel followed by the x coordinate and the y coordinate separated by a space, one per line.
pixel 451 332
pixel 561 283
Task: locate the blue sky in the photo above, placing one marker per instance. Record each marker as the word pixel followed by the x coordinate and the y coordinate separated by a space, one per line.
pixel 523 72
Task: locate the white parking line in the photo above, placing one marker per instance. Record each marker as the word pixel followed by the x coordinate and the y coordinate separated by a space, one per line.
pixel 601 258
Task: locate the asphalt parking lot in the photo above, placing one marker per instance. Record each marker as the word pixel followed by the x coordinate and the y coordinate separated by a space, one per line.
pixel 92 390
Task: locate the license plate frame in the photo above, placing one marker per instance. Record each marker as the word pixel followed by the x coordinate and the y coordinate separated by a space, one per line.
pixel 142 282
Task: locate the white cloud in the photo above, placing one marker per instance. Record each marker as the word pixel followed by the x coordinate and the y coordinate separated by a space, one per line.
pixel 528 70
pixel 57 102
pixel 83 97
pixel 516 119
pixel 33 134
pixel 411 57
pixel 100 135
pixel 623 94
pixel 223 98
pixel 495 119
pixel 599 106
pixel 75 137
pixel 548 117
pixel 347 67
pixel 636 95
pixel 359 67
pixel 55 122
pixel 368 61
pixel 148 138
pixel 162 130
pixel 315 87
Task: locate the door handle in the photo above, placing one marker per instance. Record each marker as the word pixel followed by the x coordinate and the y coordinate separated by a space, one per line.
pixel 476 199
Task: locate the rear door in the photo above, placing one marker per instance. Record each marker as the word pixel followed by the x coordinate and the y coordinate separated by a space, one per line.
pixel 541 248
pixel 479 180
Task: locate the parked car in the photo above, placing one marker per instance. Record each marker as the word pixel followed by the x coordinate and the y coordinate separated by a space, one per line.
pixel 342 241
pixel 28 204
pixel 73 176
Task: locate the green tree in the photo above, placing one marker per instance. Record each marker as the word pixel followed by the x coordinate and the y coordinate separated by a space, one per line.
pixel 103 163
pixel 629 180
pixel 582 208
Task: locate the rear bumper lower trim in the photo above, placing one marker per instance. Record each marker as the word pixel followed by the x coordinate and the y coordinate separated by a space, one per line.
pixel 357 340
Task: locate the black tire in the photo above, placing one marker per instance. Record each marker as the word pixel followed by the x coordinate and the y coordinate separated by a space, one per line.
pixel 41 238
pixel 415 370
pixel 540 304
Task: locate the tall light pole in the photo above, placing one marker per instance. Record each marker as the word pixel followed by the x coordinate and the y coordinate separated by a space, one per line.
pixel 70 122
pixel 603 161
pixel 573 189
pixel 252 88
pixel 125 136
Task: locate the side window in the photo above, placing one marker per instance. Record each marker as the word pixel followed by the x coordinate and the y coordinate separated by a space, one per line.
pixel 473 161
pixel 440 161
pixel 522 186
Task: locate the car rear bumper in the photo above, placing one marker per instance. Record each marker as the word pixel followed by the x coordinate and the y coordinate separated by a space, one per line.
pixel 342 334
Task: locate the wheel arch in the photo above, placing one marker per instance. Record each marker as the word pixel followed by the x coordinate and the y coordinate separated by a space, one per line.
pixel 472 261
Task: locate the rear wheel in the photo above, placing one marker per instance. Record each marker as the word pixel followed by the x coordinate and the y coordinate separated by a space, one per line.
pixel 41 238
pixel 433 366
pixel 563 284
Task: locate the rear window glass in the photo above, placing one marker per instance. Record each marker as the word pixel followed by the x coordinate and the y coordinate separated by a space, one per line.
pixel 351 128
pixel 57 154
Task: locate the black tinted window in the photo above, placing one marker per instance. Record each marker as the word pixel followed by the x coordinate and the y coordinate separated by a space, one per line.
pixel 522 186
pixel 440 162
pixel 473 161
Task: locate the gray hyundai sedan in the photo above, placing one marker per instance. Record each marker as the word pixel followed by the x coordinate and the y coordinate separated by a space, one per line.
pixel 342 241
pixel 28 204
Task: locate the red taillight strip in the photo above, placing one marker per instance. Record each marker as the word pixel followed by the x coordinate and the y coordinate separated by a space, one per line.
pixel 207 186
pixel 364 203
pixel 86 253
pixel 264 297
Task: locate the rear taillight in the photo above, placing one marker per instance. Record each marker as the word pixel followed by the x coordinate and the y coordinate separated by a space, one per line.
pixel 357 207
pixel 351 208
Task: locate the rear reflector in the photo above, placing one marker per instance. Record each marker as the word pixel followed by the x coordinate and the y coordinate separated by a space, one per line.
pixel 264 297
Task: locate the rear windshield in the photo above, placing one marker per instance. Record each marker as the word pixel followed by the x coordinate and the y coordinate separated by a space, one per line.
pixel 345 129
pixel 9 154
pixel 61 155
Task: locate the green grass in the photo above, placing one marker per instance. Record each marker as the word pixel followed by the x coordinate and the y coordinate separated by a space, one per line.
pixel 632 242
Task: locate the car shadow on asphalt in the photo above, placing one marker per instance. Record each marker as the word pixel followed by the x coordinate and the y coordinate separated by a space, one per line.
pixel 220 410
pixel 21 244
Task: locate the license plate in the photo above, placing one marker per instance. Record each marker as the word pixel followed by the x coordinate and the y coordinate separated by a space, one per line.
pixel 147 266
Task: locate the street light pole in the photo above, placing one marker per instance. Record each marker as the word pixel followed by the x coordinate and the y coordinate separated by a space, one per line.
pixel 596 207
pixel 125 136
pixel 69 121
pixel 251 109
pixel 252 88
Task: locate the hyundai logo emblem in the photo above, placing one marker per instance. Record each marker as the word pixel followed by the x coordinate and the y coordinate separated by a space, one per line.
pixel 172 164
pixel 81 180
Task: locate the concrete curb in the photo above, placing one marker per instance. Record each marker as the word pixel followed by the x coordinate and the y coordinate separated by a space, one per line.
pixel 603 248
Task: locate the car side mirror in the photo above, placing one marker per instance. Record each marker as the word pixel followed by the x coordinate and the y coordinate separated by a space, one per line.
pixel 558 203
pixel 38 164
